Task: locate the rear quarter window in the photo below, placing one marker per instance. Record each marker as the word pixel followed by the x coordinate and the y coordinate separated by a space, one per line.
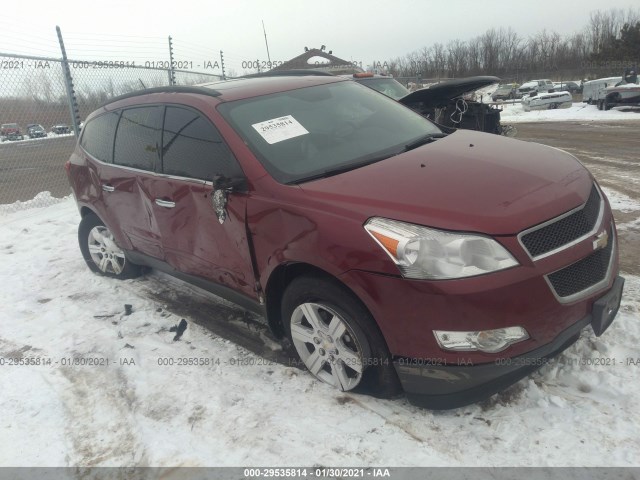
pixel 98 135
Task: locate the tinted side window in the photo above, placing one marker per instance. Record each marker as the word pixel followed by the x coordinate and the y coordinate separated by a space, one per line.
pixel 137 138
pixel 192 147
pixel 97 136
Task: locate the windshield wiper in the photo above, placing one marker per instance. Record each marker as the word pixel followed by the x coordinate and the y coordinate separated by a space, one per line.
pixel 343 168
pixel 428 138
pixel 352 166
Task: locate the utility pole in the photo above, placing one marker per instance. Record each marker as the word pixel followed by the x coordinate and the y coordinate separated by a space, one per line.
pixel 266 43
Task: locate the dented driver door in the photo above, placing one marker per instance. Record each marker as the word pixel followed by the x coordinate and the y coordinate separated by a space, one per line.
pixel 187 206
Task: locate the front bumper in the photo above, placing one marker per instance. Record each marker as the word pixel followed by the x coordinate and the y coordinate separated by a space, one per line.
pixel 446 386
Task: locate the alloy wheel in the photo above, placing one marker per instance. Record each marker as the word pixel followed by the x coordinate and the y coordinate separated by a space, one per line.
pixel 107 256
pixel 327 345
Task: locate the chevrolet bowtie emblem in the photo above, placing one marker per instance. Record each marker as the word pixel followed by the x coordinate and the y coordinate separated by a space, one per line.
pixel 601 241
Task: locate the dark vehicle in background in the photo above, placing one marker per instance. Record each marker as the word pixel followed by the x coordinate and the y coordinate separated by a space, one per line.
pixel 445 104
pixel 10 132
pixel 571 87
pixel 390 255
pixel 60 129
pixel 35 130
pixel 506 91
pixel 383 84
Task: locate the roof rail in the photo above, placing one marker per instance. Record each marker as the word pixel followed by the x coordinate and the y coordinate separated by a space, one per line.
pixel 168 89
pixel 289 73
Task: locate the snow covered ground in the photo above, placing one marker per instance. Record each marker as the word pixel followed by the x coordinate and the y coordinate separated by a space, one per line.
pixel 104 392
pixel 514 113
pixel 40 139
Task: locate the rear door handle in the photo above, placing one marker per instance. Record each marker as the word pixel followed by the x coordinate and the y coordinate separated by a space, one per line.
pixel 165 203
pixel 107 188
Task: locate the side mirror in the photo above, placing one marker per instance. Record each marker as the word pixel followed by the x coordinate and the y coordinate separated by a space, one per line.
pixel 222 186
pixel 230 184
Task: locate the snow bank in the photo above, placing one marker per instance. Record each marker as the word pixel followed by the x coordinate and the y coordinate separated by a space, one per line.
pixel 42 199
pixel 514 113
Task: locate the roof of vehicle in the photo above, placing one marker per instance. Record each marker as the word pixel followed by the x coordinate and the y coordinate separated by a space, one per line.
pixel 289 73
pixel 252 87
pixel 547 95
pixel 239 88
pixel 607 79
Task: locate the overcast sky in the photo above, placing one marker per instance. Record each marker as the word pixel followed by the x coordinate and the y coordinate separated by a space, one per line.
pixel 357 30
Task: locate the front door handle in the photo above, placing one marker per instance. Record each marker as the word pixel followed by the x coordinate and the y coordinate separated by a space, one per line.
pixel 165 203
pixel 107 188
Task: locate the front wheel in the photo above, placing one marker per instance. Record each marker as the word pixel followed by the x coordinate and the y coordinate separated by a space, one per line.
pixel 100 251
pixel 336 338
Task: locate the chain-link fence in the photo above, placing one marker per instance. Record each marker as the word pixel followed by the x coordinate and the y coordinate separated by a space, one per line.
pixel 38 135
pixel 34 145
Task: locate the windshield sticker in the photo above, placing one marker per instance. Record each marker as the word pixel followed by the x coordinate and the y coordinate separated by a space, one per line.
pixel 279 129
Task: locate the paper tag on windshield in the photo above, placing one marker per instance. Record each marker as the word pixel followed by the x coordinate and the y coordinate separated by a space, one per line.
pixel 279 129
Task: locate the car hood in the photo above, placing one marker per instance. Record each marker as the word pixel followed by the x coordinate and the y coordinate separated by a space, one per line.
pixel 443 92
pixel 468 181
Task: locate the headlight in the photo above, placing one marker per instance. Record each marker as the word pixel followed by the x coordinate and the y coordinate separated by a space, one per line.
pixel 426 253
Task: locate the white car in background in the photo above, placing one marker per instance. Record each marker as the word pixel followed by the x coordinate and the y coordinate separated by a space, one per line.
pixel 546 101
pixel 534 86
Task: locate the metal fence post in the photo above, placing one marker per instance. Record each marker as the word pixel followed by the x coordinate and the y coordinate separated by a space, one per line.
pixel 224 76
pixel 68 82
pixel 172 73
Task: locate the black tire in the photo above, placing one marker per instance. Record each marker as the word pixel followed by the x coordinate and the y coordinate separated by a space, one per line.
pixel 124 269
pixel 600 106
pixel 378 376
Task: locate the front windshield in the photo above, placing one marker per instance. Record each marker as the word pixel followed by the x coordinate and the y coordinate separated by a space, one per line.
pixel 304 133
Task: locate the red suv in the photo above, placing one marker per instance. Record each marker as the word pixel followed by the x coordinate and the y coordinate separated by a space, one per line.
pixel 393 256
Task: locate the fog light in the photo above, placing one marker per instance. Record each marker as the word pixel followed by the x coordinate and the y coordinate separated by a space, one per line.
pixel 488 341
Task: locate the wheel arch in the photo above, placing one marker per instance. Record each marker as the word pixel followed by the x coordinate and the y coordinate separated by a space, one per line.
pixel 281 278
pixel 122 240
pixel 84 211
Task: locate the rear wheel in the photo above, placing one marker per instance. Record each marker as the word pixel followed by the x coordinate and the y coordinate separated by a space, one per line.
pixel 336 338
pixel 100 251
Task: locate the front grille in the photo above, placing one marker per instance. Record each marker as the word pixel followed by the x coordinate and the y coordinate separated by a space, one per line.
pixel 584 273
pixel 565 230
